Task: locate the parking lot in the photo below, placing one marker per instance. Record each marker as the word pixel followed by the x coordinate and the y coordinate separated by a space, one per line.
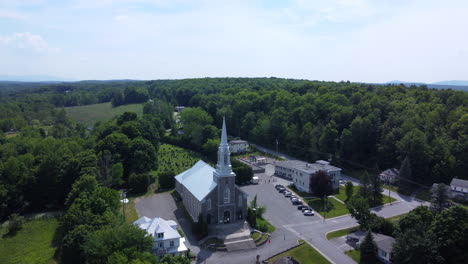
pixel 280 211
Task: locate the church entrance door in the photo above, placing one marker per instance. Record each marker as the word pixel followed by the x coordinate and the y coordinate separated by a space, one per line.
pixel 227 217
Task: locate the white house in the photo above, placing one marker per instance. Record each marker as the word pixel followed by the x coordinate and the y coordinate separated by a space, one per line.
pixel 167 239
pixel 384 244
pixel 390 176
pixel 238 146
pixel 459 188
pixel 300 172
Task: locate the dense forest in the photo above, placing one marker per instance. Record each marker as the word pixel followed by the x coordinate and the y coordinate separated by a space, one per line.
pixel 48 161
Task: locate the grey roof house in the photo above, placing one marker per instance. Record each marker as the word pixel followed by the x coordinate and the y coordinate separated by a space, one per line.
pixel 384 244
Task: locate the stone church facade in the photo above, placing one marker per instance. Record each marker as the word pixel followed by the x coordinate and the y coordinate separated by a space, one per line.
pixel 212 192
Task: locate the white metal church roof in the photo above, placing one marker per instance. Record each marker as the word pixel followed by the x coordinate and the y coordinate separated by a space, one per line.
pixel 198 179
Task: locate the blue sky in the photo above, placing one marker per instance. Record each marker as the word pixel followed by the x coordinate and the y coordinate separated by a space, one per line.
pixel 333 40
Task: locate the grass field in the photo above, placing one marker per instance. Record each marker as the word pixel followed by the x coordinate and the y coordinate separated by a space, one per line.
pixel 333 209
pixel 270 228
pixel 305 254
pixel 90 114
pixel 342 232
pixel 354 254
pixel 425 195
pixel 342 195
pixel 31 245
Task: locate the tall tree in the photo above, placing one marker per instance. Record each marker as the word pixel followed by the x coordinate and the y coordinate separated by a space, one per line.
pixel 450 228
pixel 416 246
pixel 359 209
pixel 349 189
pixel 368 250
pixel 439 197
pixel 321 184
pixel 376 190
pixel 365 191
pixel 404 183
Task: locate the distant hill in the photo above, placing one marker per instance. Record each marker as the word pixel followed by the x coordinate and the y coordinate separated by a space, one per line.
pixel 454 82
pixel 33 78
pixel 455 85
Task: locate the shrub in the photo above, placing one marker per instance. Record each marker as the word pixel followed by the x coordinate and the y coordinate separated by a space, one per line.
pixel 262 227
pixel 166 179
pixel 139 182
pixel 15 223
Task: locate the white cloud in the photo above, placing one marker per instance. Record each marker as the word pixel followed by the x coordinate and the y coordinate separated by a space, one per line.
pixel 12 15
pixel 121 18
pixel 25 41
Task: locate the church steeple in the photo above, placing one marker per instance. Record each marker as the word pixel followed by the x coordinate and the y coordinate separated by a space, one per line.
pixel 223 168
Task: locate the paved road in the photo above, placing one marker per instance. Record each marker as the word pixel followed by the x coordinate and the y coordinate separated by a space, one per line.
pixel 272 152
pixel 290 224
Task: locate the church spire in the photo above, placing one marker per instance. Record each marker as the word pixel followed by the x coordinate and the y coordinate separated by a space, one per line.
pixel 223 168
pixel 224 141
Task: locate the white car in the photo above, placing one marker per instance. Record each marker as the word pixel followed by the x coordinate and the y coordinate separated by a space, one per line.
pixel 308 212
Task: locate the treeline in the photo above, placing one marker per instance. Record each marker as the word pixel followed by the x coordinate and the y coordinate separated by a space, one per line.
pixel 357 125
pixel 363 126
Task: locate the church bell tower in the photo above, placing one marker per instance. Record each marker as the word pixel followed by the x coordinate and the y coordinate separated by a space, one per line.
pixel 223 167
pixel 225 180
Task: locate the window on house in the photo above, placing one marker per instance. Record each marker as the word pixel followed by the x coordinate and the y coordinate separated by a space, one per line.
pixel 161 245
pixel 227 193
pixel 208 204
pixel 171 244
pixel 160 235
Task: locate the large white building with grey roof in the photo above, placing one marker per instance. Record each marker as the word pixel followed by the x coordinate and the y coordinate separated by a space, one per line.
pixel 167 239
pixel 212 192
pixel 300 172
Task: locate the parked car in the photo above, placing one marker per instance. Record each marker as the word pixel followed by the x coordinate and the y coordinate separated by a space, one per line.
pixel 278 186
pixel 282 190
pixel 294 199
pixel 292 196
pixel 297 202
pixel 299 207
pixel 305 208
pixel 287 194
pixel 308 212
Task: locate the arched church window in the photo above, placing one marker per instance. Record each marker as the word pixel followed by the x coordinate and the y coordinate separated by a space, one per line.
pixel 227 194
pixel 226 158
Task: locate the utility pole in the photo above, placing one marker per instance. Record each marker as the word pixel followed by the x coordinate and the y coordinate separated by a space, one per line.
pixel 124 196
pixel 277 147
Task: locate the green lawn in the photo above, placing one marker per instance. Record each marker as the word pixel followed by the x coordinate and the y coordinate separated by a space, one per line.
pixel 342 195
pixel 354 254
pixel 255 235
pixel 270 228
pixel 396 218
pixel 425 195
pixel 342 232
pixel 333 208
pixel 31 245
pixel 90 114
pixel 305 254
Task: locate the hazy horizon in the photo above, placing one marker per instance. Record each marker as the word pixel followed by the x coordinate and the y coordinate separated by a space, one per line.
pixel 359 41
